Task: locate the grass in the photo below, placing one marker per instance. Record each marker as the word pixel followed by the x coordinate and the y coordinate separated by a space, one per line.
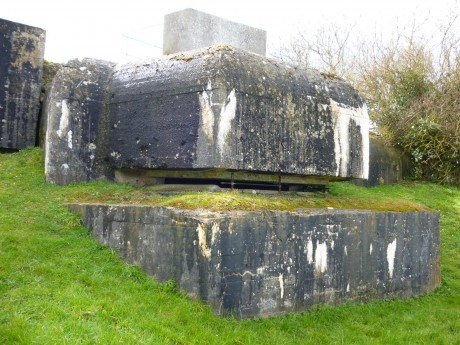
pixel 59 286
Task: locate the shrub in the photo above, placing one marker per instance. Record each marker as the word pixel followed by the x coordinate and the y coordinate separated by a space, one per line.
pixel 412 97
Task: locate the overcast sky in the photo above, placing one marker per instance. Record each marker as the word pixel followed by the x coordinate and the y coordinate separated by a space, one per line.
pixel 123 30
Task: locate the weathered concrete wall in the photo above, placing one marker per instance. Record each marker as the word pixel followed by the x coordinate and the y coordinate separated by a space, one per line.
pixel 229 109
pixel 387 164
pixel 77 129
pixel 191 29
pixel 266 263
pixel 22 50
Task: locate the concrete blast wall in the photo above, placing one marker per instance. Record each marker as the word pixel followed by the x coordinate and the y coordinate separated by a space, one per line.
pixel 266 263
pixel 21 66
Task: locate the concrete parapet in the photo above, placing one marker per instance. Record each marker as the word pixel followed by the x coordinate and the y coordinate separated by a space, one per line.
pixel 267 263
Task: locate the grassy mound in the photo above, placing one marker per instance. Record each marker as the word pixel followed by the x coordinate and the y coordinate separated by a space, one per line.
pixel 57 285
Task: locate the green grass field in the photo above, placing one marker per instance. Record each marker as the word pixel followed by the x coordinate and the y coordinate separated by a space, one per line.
pixel 59 286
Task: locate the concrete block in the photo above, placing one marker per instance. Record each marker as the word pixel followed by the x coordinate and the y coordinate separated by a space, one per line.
pixel 387 164
pixel 77 138
pixel 21 66
pixel 190 29
pixel 267 263
pixel 227 109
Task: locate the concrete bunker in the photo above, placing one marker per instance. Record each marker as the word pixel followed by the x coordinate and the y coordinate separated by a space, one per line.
pixel 216 113
pixel 221 113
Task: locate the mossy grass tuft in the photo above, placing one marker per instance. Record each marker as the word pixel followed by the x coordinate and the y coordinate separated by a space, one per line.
pixel 59 286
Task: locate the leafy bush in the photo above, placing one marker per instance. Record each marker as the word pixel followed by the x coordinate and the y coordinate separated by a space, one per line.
pixel 412 89
pixel 415 107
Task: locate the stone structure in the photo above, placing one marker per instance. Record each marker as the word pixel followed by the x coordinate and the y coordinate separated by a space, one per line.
pixel 77 141
pixel 21 66
pixel 224 108
pixel 220 109
pixel 223 113
pixel 387 165
pixel 266 263
pixel 191 29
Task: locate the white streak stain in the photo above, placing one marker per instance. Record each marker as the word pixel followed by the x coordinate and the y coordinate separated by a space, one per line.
pixel 310 252
pixel 214 231
pixel 205 251
pixel 69 139
pixel 391 253
pixel 48 166
pixel 280 279
pixel 321 257
pixel 364 125
pixel 341 117
pixel 227 114
pixel 370 249
pixel 64 120
pixel 207 115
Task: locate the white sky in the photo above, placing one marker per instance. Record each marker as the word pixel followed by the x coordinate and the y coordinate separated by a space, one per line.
pixel 111 29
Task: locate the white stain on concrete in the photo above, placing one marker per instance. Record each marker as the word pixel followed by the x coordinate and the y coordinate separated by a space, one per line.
pixel 370 249
pixel 64 120
pixel 207 115
pixel 215 229
pixel 261 270
pixel 48 166
pixel 348 287
pixel 227 114
pixel 364 125
pixel 281 281
pixel 341 118
pixel 201 231
pixel 69 139
pixel 65 168
pixel 391 253
pixel 321 257
pixel 310 252
pixel 115 155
